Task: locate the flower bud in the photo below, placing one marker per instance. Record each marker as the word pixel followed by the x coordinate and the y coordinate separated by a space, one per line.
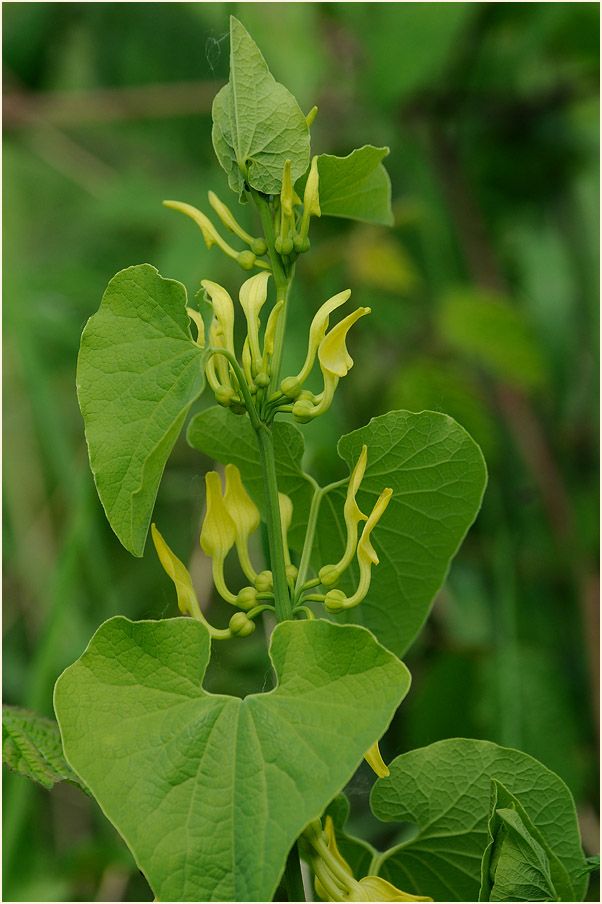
pixel 303 411
pixel 246 598
pixel 259 247
pixel 290 387
pixel 246 260
pixel 240 625
pixel 329 575
pixel 264 582
pixel 262 380
pixel 224 396
pixel 334 601
pixel 292 573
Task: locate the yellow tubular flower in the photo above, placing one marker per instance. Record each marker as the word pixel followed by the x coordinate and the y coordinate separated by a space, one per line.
pixel 317 332
pixel 224 312
pixel 244 514
pixel 218 369
pixel 311 198
pixel 269 336
pixel 287 192
pixel 286 516
pixel 330 574
pixel 210 233
pixel 370 888
pixel 225 215
pixel 335 360
pixel 376 762
pixel 366 554
pixel 246 363
pixel 252 295
pixel 218 533
pixel 198 321
pixel 188 603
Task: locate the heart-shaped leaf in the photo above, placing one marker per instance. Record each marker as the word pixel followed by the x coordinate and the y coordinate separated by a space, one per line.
pixel 138 373
pixel 257 123
pixel 211 791
pixel 444 789
pixel 438 477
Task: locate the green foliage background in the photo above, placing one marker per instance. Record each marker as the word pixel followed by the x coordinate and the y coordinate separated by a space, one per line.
pixel 484 301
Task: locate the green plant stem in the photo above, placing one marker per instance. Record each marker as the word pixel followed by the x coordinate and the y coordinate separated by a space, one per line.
pixel 282 598
pixel 312 520
pixel 293 879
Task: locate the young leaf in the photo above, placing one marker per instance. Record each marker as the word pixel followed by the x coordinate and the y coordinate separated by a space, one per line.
pixel 444 789
pixel 518 864
pixel 438 477
pixel 138 373
pixel 257 123
pixel 231 440
pixel 356 187
pixel 31 746
pixel 210 791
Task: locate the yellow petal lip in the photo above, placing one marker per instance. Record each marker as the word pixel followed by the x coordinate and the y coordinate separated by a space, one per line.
pixel 378 889
pixel 218 533
pixel 376 762
pixel 364 547
pixel 332 353
pixel 177 571
pixel 239 505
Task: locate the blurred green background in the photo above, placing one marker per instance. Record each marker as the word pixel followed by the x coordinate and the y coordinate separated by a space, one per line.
pixel 485 306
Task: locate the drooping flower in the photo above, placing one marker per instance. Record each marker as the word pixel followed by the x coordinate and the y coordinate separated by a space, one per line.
pixel 334 879
pixel 376 762
pixel 335 601
pixel 218 533
pixel 244 514
pixel 252 295
pixel 330 574
pixel 317 331
pixel 335 360
pixel 188 603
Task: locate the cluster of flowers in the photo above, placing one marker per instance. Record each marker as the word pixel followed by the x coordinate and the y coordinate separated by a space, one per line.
pixel 334 879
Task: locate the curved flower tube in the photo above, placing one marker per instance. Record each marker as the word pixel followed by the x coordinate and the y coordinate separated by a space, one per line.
pixel 335 360
pixel 317 331
pixel 245 516
pixel 376 762
pixel 334 879
pixel 336 601
pixel 188 603
pixel 252 295
pixel 218 533
pixel 330 574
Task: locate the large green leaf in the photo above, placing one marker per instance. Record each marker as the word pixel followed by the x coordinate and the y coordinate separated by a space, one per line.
pixel 356 187
pixel 257 123
pixel 138 372
pixel 438 476
pixel 230 439
pixel 518 864
pixel 31 746
pixel 210 791
pixel 444 790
